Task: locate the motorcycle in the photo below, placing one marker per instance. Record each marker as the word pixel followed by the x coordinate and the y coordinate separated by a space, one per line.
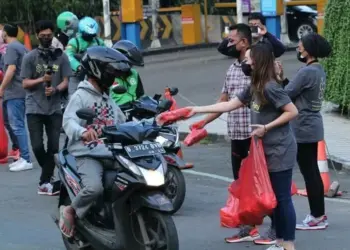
pixel 146 108
pixel 133 212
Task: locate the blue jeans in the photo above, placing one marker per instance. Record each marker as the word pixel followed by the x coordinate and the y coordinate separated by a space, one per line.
pixel 16 113
pixel 284 213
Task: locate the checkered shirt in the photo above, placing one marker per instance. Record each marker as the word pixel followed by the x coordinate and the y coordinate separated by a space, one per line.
pixel 238 121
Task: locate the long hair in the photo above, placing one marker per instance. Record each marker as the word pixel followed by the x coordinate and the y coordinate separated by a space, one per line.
pixel 264 70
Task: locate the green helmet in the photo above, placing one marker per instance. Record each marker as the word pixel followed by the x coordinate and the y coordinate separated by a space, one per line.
pixel 67 22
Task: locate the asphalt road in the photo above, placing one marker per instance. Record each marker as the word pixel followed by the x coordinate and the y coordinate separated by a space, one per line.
pixel 25 222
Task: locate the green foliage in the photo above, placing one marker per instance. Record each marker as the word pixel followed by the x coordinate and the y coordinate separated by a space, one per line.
pixel 336 31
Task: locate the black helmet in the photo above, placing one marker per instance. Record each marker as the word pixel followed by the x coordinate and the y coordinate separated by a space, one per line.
pixel 131 51
pixel 104 65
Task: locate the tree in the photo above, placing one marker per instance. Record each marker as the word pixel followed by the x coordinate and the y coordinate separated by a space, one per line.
pixel 336 31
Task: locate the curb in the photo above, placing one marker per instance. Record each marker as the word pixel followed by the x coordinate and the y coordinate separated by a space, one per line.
pixel 214 138
pixel 153 52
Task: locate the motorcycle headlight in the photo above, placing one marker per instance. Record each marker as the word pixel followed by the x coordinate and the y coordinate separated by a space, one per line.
pixel 164 142
pixel 132 166
pixel 154 178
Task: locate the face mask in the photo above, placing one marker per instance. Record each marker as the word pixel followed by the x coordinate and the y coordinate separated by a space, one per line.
pixel 232 51
pixel 88 38
pixel 45 42
pixel 301 58
pixel 247 69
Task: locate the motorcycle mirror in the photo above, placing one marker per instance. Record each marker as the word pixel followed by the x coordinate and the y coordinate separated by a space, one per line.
pixel 86 114
pixel 164 105
pixel 173 91
pixel 119 90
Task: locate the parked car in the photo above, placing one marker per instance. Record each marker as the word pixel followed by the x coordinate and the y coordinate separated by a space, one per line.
pixel 302 20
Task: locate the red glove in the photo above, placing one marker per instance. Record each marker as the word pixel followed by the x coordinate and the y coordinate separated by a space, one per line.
pixel 198 125
pixel 195 136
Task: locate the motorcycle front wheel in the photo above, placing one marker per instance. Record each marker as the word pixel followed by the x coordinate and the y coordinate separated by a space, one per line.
pixel 175 187
pixel 160 230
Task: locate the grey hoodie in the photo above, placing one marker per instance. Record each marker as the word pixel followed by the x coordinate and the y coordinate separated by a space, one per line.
pixel 87 96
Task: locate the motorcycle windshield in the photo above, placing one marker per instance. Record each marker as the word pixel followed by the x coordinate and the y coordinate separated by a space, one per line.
pixel 147 103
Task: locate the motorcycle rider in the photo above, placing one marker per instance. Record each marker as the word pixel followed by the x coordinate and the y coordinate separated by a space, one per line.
pixel 67 23
pixel 101 65
pixel 130 80
pixel 86 37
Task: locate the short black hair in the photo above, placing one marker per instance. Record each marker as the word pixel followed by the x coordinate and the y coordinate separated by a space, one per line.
pixel 44 25
pixel 11 29
pixel 243 30
pixel 257 16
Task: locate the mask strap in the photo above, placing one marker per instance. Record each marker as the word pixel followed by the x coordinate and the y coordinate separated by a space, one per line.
pixel 313 61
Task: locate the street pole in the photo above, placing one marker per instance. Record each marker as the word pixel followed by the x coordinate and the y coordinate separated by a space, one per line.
pixel 206 39
pixel 239 9
pixel 155 41
pixel 284 26
pixel 107 23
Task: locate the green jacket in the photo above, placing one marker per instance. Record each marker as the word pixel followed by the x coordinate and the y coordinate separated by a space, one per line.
pixel 78 45
pixel 134 86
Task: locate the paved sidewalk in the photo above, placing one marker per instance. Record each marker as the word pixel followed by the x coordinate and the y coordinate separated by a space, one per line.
pixel 337 135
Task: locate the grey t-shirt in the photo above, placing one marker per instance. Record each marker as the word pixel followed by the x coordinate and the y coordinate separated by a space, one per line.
pixel 14 56
pixel 279 143
pixel 34 66
pixel 307 91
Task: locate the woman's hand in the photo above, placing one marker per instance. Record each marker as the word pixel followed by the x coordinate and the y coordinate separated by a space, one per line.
pixel 279 70
pixel 192 111
pixel 258 130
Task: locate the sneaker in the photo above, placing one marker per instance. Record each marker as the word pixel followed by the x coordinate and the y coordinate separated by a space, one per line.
pixel 16 162
pixel 275 247
pixel 245 234
pixel 312 223
pixel 14 154
pixel 21 165
pixel 268 238
pixel 47 189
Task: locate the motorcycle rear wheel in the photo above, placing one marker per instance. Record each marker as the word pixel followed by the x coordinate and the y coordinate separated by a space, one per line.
pixel 161 230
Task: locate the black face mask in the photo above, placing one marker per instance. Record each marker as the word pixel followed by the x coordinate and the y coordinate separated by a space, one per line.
pixel 45 42
pixel 232 51
pixel 300 58
pixel 88 38
pixel 106 82
pixel 246 68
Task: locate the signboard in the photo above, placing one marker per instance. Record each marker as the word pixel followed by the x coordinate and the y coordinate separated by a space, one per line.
pixel 246 6
pixel 255 5
pixel 147 11
pixel 187 20
pixel 269 7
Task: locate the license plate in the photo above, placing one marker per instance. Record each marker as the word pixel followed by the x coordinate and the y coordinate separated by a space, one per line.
pixel 141 150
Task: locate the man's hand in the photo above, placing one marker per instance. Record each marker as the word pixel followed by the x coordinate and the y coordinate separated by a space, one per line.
pixel 50 91
pixel 89 136
pixel 263 29
pixel 47 78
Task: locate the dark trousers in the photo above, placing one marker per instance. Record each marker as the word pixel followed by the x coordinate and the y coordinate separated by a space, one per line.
pixel 45 158
pixel 8 127
pixel 307 160
pixel 239 151
pixel 284 214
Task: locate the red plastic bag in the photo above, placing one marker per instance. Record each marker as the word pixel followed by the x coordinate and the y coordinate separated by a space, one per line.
pixel 256 196
pixel 168 96
pixel 195 136
pixel 173 116
pixel 1 75
pixel 229 216
pixel 3 136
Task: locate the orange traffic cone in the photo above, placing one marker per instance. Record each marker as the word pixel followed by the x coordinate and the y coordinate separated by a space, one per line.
pixel 323 167
pixel 27 42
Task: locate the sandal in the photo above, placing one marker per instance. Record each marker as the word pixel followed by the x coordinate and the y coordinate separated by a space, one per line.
pixel 66 223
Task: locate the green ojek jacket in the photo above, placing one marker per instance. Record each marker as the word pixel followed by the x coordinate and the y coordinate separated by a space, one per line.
pixel 131 84
pixel 78 45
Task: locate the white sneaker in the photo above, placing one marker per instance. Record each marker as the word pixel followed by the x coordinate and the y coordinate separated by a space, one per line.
pixel 275 247
pixel 16 162
pixel 21 166
pixel 47 189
